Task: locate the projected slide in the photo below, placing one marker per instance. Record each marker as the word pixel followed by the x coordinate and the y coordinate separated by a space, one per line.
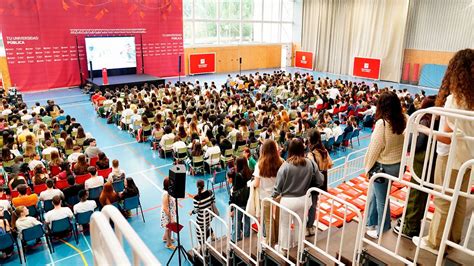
pixel 111 52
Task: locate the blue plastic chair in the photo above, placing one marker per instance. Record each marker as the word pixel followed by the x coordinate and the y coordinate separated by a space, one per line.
pixel 94 193
pixel 133 203
pixel 355 134
pixel 47 205
pixel 338 142
pixel 348 139
pixel 73 200
pixel 62 226
pixel 31 234
pixel 7 241
pixel 83 218
pixel 118 185
pixel 330 143
pixel 33 211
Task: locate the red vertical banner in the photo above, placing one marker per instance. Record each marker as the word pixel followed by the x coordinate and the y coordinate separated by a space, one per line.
pixel 202 63
pixel 304 59
pixel 105 76
pixel 366 67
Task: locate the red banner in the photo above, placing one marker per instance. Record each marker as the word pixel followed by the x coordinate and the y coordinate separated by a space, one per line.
pixel 40 37
pixel 366 67
pixel 304 59
pixel 202 63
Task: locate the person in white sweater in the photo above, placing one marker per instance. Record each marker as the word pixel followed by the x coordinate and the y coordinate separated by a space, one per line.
pixel 384 154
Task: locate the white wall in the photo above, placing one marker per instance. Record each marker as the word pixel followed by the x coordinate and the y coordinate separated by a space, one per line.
pixel 440 25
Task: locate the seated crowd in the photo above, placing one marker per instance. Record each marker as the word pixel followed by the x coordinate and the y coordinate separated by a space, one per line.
pixel 48 167
pixel 267 128
pixel 210 120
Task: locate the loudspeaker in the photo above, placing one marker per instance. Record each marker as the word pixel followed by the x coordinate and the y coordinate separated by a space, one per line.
pixel 240 60
pixel 179 64
pixel 177 177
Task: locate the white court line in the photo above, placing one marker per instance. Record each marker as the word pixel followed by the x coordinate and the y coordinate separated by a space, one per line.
pixel 49 253
pixel 152 182
pixel 75 104
pixel 150 169
pixel 118 145
pixel 87 243
pixel 71 256
pixel 55 98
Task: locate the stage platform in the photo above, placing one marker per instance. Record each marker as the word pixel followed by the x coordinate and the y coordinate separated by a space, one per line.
pixel 130 80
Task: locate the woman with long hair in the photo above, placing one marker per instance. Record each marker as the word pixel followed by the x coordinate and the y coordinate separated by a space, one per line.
pixel 265 174
pixel 55 163
pixel 456 92
pixel 102 162
pixel 130 189
pixel 239 196
pixel 40 175
pixel 294 178
pixel 384 155
pixel 80 168
pixel 108 195
pixel 203 200
pixel 318 154
pixel 168 213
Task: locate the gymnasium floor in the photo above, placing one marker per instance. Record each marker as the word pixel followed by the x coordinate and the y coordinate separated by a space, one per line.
pixel 148 171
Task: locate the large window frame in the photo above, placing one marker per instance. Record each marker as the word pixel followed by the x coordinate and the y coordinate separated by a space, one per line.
pixel 257 24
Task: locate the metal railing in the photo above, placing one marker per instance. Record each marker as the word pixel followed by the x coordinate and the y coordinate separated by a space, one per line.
pixel 296 229
pixel 237 242
pixel 219 227
pixel 321 247
pixel 352 166
pixel 108 243
pixel 197 246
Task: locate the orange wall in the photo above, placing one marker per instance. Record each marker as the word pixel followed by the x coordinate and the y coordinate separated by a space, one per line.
pixel 423 57
pixel 227 57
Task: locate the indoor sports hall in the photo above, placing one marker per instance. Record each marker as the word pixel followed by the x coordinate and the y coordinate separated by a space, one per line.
pixel 237 132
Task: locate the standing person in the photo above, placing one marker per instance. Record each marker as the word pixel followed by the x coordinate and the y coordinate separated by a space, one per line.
pixel 320 156
pixel 417 199
pixel 293 180
pixel 239 196
pixel 203 200
pixel 168 214
pixel 458 82
pixel 384 154
pixel 265 177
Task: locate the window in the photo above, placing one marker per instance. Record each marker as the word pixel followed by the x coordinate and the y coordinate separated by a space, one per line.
pixel 187 9
pixel 286 32
pixel 229 9
pixel 188 32
pixel 205 9
pixel 229 32
pixel 272 10
pixel 205 32
pixel 287 10
pixel 251 32
pixel 271 32
pixel 237 21
pixel 252 9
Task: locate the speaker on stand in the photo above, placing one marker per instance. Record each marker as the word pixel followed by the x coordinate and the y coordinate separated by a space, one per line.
pixel 176 189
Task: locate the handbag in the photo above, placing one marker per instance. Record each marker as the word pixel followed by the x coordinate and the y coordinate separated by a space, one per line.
pixel 377 169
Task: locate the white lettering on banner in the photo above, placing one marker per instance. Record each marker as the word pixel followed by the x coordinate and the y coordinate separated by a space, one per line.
pixel 366 68
pixel 303 60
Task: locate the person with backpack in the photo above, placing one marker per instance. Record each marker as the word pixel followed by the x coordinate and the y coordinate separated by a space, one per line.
pixel 319 155
pixel 239 196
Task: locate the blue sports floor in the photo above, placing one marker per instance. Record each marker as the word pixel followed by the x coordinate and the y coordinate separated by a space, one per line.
pixel 148 170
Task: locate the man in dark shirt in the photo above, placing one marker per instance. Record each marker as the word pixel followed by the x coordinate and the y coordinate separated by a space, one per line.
pixel 71 193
